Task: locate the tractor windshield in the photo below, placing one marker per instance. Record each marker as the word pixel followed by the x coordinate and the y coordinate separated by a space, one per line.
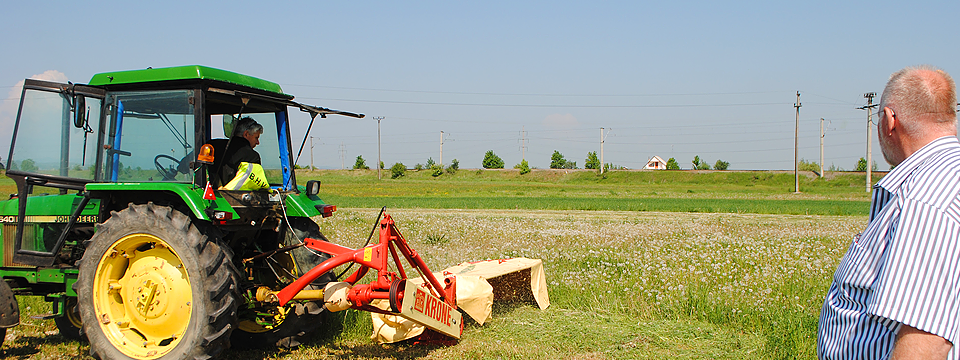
pixel 151 136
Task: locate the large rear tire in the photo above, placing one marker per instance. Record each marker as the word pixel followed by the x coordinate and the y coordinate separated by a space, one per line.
pixel 296 322
pixel 152 286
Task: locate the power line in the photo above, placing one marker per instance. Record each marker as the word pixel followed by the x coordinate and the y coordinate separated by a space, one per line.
pixel 545 105
pixel 533 94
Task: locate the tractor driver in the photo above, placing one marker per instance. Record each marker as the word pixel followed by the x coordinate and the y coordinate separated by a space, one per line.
pixel 246 137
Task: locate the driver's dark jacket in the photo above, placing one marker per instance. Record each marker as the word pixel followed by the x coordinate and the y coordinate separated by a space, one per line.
pixel 238 152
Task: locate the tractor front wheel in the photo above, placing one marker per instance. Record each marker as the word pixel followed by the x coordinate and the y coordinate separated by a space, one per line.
pixel 152 286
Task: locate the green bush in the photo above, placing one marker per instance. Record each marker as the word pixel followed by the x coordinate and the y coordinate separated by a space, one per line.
pixel 28 165
pixel 700 164
pixel 672 164
pixel 492 161
pixel 360 164
pixel 592 161
pixel 862 165
pixel 523 166
pixel 721 165
pixel 454 166
pixel 557 161
pixel 805 165
pixel 397 170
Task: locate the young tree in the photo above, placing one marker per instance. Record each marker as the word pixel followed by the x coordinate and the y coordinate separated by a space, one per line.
pixel 381 165
pixel 672 164
pixel 557 161
pixel 721 165
pixel 397 170
pixel 431 165
pixel 454 166
pixel 28 165
pixel 862 165
pixel 523 166
pixel 700 164
pixel 592 161
pixel 805 165
pixel 492 161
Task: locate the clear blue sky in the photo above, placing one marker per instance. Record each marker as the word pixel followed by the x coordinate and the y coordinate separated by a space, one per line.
pixel 674 79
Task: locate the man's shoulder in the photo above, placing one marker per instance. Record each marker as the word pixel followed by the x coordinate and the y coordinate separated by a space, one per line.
pixel 937 180
pixel 943 162
pixel 247 154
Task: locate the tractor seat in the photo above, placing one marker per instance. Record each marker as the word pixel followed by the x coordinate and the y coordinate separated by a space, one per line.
pixel 219 148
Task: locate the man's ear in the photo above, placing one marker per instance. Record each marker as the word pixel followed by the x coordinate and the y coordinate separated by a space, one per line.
pixel 892 122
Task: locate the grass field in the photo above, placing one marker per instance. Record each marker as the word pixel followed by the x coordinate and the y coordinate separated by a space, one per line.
pixel 623 284
pixel 680 191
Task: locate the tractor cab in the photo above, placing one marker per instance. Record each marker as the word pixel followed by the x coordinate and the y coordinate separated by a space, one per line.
pixel 132 136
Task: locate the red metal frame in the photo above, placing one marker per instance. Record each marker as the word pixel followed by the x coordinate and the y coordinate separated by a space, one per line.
pixel 372 257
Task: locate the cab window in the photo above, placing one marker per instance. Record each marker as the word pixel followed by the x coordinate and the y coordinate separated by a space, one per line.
pixel 150 137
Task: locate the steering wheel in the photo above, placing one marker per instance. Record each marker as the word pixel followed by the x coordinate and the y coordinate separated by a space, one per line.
pixel 170 171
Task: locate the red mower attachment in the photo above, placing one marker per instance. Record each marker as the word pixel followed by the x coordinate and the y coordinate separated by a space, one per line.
pixel 432 304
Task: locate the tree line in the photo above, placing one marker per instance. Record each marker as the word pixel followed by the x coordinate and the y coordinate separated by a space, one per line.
pixel 557 161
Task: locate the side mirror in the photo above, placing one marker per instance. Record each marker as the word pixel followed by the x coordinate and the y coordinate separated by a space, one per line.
pixel 313 187
pixel 228 122
pixel 80 112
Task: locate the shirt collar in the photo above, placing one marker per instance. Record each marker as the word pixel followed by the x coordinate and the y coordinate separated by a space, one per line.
pixel 895 178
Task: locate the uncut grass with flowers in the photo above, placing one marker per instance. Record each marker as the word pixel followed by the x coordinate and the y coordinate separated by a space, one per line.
pixel 755 283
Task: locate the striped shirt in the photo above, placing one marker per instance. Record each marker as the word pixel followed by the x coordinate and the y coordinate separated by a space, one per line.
pixel 903 268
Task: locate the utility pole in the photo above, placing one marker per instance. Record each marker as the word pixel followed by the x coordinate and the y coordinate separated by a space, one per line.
pixel 441 149
pixel 379 161
pixel 869 108
pixel 602 138
pixel 311 153
pixel 523 143
pixel 343 152
pixel 796 148
pixel 821 148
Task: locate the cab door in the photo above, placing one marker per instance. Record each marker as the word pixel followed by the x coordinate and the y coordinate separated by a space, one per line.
pixel 52 156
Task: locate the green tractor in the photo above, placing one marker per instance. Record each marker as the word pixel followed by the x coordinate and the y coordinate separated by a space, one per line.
pixel 118 221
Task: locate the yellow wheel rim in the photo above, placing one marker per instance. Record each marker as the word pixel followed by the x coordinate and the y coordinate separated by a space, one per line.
pixel 142 296
pixel 70 311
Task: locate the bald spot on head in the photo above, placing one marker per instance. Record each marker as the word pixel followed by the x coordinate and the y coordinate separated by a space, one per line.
pixel 924 99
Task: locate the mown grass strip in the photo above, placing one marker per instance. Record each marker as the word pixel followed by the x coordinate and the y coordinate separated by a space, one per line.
pixel 754 206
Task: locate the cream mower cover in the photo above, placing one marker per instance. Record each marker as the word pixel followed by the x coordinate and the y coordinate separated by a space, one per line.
pixel 478 285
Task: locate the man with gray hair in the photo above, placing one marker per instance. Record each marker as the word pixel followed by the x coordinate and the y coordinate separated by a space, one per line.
pixel 896 292
pixel 246 137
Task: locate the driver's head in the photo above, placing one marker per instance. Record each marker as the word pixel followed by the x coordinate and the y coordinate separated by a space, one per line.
pixel 249 129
